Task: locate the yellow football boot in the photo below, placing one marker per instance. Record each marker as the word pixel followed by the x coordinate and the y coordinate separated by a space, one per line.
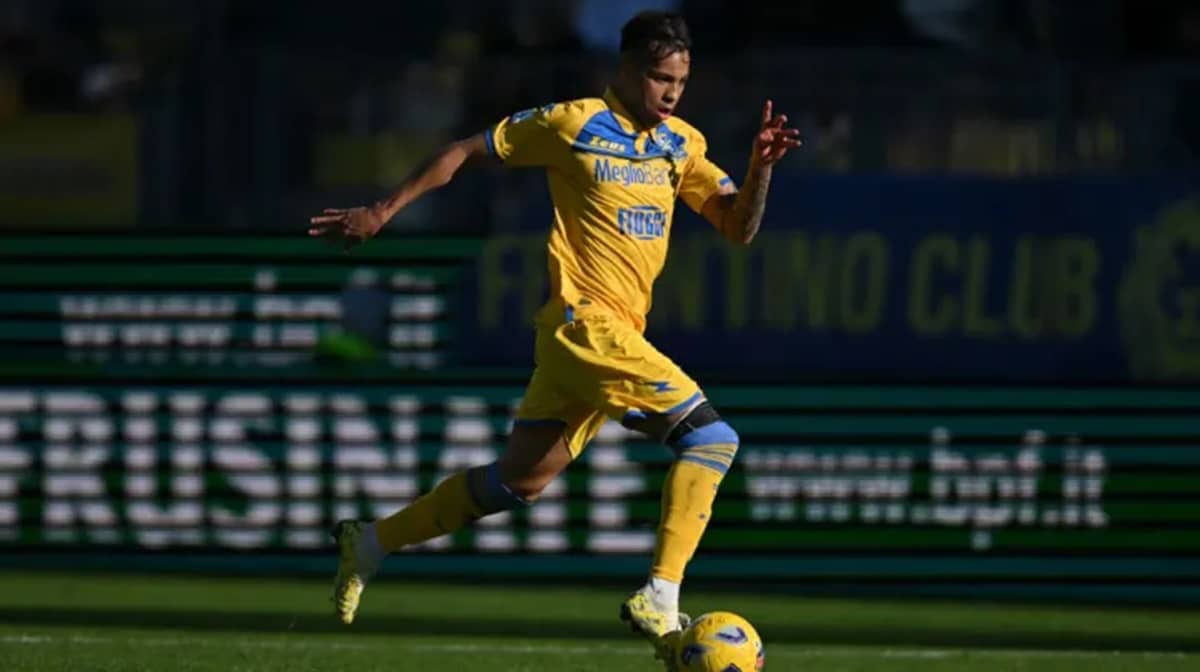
pixel 661 628
pixel 353 570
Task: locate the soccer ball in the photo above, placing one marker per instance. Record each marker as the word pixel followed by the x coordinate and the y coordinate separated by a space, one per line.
pixel 720 642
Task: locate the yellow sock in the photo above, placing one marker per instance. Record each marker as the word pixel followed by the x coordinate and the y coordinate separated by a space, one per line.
pixel 687 500
pixel 446 508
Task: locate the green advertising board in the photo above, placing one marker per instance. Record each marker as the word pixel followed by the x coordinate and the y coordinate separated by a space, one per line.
pixel 78 305
pixel 992 486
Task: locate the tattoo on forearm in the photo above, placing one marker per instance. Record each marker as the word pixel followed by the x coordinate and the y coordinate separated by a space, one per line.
pixel 751 202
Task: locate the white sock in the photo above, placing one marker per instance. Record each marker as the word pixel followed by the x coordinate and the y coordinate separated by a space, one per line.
pixel 369 549
pixel 665 596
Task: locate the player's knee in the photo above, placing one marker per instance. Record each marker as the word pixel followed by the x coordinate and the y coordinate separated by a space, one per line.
pixel 704 438
pixel 493 495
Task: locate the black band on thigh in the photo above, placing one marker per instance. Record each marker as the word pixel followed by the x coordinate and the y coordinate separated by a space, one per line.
pixel 701 416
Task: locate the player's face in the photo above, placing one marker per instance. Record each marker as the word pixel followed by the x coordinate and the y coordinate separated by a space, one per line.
pixel 662 86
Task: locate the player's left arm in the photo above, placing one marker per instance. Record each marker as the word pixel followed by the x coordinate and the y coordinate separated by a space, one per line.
pixel 737 213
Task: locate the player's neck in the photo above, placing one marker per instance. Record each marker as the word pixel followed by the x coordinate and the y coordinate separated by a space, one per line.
pixel 627 108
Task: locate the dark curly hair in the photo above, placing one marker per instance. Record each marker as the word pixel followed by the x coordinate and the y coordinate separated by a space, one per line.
pixel 652 36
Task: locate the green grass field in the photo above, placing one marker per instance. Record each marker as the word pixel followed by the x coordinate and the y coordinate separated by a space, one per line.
pixel 123 622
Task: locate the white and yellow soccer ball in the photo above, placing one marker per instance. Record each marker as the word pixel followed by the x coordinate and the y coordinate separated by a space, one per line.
pixel 720 641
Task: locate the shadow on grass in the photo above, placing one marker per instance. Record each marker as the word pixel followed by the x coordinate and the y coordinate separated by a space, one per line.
pixel 509 625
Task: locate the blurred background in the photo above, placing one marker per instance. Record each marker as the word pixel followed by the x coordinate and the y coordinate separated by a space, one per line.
pixel 963 355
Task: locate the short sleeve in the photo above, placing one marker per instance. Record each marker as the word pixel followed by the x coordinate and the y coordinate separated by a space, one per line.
pixel 531 137
pixel 702 178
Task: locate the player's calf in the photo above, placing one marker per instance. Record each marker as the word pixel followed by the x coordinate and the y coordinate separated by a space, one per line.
pixel 705 447
pixel 454 503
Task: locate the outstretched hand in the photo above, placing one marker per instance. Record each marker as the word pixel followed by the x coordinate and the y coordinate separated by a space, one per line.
pixel 351 226
pixel 774 139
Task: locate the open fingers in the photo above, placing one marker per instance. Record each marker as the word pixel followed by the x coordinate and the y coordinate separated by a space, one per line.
pixel 327 219
pixel 784 137
pixel 776 134
pixel 766 117
pixel 786 134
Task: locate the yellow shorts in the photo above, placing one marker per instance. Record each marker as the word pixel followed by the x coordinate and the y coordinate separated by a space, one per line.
pixel 597 367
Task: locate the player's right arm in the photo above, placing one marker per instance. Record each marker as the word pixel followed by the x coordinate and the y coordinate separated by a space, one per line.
pixel 355 225
pixel 532 137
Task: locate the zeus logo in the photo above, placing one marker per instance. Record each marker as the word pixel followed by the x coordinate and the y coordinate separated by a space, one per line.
pixel 606 144
pixel 627 174
pixel 644 222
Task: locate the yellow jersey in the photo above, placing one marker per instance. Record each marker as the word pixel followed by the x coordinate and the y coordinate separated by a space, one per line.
pixel 613 186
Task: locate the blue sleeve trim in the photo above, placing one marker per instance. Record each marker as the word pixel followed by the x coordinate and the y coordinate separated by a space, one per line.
pixel 490 140
pixel 725 181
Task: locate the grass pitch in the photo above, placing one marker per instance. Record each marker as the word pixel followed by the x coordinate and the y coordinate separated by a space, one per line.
pixel 52 622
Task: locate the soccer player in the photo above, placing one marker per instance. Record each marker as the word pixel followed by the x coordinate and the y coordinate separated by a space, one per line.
pixel 615 165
